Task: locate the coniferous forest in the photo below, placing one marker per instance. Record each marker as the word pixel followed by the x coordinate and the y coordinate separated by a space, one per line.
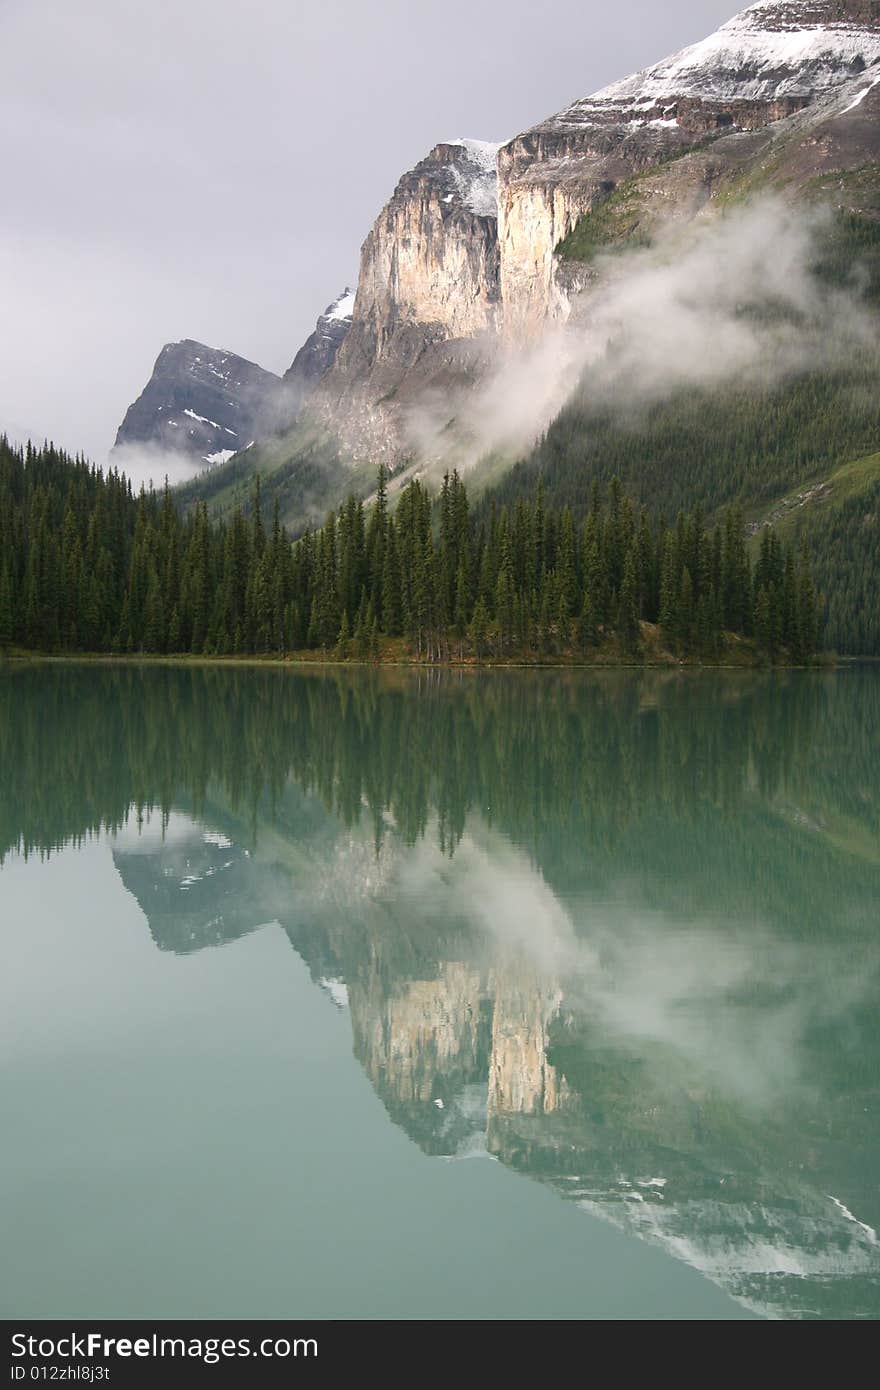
pixel 88 566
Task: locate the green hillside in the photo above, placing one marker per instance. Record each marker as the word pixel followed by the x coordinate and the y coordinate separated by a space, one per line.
pixel 302 469
pixel 839 518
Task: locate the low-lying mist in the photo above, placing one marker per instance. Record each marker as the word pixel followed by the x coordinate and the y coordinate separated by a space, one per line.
pixel 733 301
pixel 149 464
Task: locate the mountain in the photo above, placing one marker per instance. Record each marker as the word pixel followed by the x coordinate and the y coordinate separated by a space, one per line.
pixel 428 292
pixel 477 243
pixel 207 404
pixel 200 402
pixel 782 94
pixel 481 247
pixel 489 268
pixel 422 326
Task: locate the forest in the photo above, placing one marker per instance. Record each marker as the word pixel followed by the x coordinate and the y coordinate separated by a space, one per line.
pixel 721 448
pixel 88 566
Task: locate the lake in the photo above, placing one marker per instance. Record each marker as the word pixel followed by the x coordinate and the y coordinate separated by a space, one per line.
pixel 397 994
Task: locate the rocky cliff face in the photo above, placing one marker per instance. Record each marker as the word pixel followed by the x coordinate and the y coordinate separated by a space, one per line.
pixel 431 258
pixel 428 283
pixel 200 402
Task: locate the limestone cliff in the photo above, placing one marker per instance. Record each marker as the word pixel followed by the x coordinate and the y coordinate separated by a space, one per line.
pixel 428 289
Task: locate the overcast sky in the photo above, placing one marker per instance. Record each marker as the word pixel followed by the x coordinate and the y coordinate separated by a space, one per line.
pixel 209 168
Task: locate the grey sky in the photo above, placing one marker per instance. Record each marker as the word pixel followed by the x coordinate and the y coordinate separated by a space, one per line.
pixel 209 168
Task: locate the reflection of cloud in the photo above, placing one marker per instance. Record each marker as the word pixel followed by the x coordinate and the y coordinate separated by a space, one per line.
pixel 734 1006
pixel 496 889
pixel 148 832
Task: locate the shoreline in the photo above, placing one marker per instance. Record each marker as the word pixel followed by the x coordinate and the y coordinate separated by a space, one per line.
pixel 300 663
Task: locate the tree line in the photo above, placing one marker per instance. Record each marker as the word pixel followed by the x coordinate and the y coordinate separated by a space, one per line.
pixel 87 565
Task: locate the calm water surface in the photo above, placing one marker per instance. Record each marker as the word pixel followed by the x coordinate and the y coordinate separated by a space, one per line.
pixel 361 994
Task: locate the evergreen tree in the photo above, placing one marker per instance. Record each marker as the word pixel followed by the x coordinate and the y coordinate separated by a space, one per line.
pixel 480 628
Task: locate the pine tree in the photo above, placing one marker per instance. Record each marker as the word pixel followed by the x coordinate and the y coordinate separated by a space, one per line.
pixel 6 609
pixel 588 626
pixel 462 606
pixel 686 612
pixel 763 623
pixel 342 642
pixel 391 585
pixel 805 620
pixel 505 597
pixel 628 621
pixel 480 628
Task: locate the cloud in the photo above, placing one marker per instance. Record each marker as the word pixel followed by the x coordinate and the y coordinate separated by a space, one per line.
pixel 735 300
pixel 144 464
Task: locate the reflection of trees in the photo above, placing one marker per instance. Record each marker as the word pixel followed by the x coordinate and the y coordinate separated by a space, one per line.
pixel 603 773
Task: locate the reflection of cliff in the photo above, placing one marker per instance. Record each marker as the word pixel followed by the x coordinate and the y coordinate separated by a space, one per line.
pixel 522 1080
pixel 747 1198
pixel 424 1044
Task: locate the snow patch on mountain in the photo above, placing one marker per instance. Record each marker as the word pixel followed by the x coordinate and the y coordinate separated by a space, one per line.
pixel 202 419
pixel 476 176
pixel 861 96
pixel 341 308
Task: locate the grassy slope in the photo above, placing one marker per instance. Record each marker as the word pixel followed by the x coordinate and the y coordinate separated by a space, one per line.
pixel 838 517
pixel 301 468
pixel 791 513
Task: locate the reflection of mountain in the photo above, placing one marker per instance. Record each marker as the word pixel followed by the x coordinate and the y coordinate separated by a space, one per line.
pixel 192 884
pixel 544 1056
pixel 619 935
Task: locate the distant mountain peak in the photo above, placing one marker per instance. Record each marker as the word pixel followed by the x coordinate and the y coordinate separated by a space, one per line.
pixel 200 402
pixel 343 307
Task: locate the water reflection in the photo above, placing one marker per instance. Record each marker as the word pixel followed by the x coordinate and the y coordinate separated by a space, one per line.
pixel 618 932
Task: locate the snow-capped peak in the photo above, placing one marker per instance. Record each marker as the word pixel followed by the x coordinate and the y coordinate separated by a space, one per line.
pixel 343 307
pixel 482 152
pixel 773 50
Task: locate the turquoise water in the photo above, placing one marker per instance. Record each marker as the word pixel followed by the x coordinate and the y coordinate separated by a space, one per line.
pixel 378 994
